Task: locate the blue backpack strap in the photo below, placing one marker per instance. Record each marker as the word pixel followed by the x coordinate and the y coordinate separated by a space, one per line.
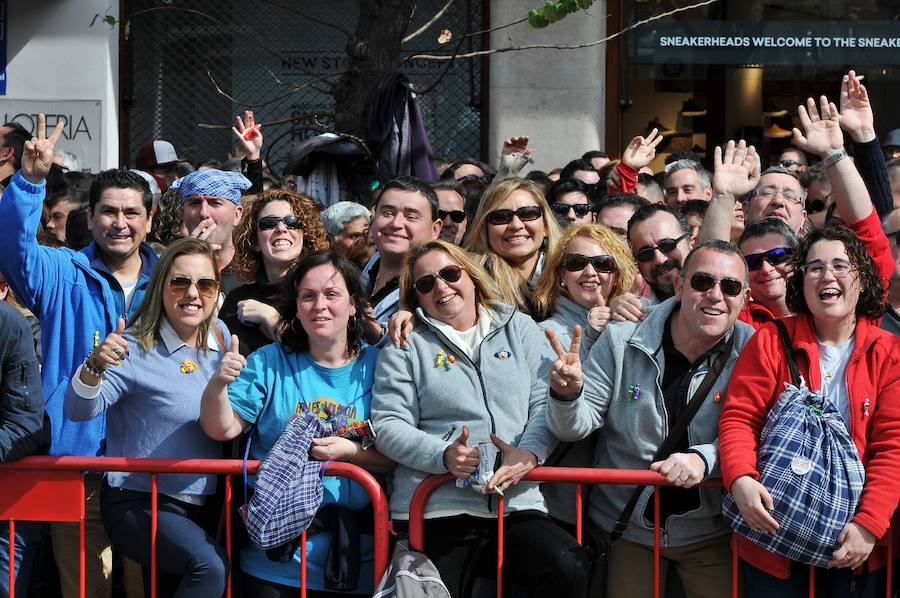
pixel 246 456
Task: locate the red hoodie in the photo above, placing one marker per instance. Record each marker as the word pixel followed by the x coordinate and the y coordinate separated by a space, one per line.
pixel 873 385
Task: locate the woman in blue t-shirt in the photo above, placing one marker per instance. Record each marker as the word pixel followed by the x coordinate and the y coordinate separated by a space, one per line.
pixel 318 366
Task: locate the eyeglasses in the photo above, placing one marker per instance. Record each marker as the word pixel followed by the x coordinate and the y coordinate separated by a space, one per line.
pixel 426 283
pixel 788 194
pixel 581 209
pixel 665 246
pixel 575 262
pixel 775 257
pixel 817 204
pixel 505 216
pixel 207 287
pixel 456 216
pixel 270 222
pixel 702 282
pixel 789 163
pixel 816 270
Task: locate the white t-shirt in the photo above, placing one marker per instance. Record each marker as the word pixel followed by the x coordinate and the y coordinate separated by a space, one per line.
pixel 833 365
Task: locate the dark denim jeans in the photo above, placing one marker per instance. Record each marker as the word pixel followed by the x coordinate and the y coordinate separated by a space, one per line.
pixel 830 583
pixel 29 536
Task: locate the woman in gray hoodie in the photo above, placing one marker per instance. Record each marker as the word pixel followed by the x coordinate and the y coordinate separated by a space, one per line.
pixel 472 379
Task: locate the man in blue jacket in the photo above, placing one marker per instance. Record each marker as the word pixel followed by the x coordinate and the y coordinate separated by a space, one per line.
pixel 78 297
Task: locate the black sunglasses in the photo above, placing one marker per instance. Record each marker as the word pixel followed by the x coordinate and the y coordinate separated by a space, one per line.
pixel 505 216
pixel 456 216
pixel 665 246
pixel 270 222
pixel 426 283
pixel 775 257
pixel 575 262
pixel 581 209
pixel 205 286
pixel 703 282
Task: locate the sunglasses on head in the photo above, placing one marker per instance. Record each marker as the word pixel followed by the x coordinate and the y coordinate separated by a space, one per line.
pixel 456 216
pixel 270 222
pixel 205 286
pixel 775 257
pixel 426 283
pixel 665 246
pixel 575 262
pixel 703 282
pixel 581 209
pixel 505 216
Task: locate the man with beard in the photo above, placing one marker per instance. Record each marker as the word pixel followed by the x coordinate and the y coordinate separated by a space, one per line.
pixel 638 380
pixel 660 239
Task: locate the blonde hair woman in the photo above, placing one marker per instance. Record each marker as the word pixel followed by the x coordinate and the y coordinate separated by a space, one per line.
pixel 513 230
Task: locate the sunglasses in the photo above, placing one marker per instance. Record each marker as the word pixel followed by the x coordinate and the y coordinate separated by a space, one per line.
pixel 426 283
pixel 456 216
pixel 207 287
pixel 775 257
pixel 270 222
pixel 665 246
pixel 581 209
pixel 703 282
pixel 575 262
pixel 505 216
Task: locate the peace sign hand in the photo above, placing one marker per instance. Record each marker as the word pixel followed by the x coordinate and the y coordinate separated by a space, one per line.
pixel 37 156
pixel 641 151
pixel 566 377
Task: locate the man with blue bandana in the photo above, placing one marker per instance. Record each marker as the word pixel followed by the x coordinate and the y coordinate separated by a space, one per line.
pixel 211 208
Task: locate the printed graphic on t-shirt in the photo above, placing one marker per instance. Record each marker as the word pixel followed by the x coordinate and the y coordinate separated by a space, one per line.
pixel 340 419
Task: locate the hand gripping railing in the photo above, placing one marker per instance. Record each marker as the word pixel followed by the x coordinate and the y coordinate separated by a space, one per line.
pixel 52 489
pixel 582 476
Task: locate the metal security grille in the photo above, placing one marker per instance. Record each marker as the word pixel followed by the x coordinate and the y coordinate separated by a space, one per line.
pixel 190 67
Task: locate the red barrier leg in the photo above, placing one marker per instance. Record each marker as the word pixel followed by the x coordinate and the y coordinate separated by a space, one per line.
pixel 82 557
pixel 228 499
pixel 656 517
pixel 12 558
pixel 153 522
pixel 890 561
pixel 812 582
pixel 500 509
pixel 303 565
pixel 734 567
pixel 579 502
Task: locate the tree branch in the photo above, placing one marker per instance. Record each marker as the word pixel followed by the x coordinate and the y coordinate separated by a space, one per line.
pixel 310 18
pixel 562 46
pixel 305 116
pixel 430 22
pixel 467 35
pixel 295 88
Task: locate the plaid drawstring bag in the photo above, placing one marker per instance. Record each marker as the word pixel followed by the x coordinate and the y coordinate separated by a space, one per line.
pixel 288 489
pixel 809 464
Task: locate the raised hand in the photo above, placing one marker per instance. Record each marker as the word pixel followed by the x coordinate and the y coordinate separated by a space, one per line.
pixel 461 460
pixel 736 173
pixel 250 134
pixel 599 315
pixel 565 376
pixel 755 504
pixel 514 465
pixel 232 363
pixel 515 154
pixel 856 111
pixel 37 156
pixel 113 349
pixel 641 151
pixel 855 543
pixel 822 133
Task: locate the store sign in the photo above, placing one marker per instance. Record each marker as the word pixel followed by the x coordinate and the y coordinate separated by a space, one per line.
pixel 81 134
pixel 766 43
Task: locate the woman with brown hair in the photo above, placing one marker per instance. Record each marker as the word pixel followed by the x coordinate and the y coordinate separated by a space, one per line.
pixel 279 228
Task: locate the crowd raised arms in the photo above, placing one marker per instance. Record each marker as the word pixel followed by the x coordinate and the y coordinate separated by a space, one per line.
pixel 600 315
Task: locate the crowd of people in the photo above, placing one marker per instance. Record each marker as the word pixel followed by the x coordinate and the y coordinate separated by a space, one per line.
pixel 484 324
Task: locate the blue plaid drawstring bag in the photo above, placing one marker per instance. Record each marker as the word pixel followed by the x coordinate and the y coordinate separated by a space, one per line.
pixel 809 464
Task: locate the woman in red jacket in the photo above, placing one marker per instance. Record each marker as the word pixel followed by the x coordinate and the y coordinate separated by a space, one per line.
pixel 839 296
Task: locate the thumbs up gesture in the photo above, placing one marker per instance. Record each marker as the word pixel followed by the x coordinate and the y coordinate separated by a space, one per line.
pixel 232 363
pixel 113 349
pixel 599 315
pixel 461 460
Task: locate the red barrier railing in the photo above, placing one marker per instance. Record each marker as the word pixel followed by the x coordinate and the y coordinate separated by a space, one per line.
pixel 52 489
pixel 591 476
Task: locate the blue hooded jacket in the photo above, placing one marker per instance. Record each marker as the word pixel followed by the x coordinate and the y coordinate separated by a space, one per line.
pixel 73 295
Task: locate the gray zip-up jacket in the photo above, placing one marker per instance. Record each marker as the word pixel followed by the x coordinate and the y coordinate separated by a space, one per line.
pixel 632 430
pixel 419 408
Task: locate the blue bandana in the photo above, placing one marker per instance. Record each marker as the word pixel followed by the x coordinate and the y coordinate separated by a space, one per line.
pixel 213 183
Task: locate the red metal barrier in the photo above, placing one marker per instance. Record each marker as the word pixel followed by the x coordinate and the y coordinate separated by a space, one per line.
pixel 52 489
pixel 592 476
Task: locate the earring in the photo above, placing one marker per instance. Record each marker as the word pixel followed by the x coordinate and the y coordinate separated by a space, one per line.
pixel 294 330
pixel 353 323
pixel 562 283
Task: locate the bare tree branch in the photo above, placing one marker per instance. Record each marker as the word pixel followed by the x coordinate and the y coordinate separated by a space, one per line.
pixel 430 22
pixel 314 116
pixel 311 18
pixel 467 35
pixel 562 46
pixel 295 88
